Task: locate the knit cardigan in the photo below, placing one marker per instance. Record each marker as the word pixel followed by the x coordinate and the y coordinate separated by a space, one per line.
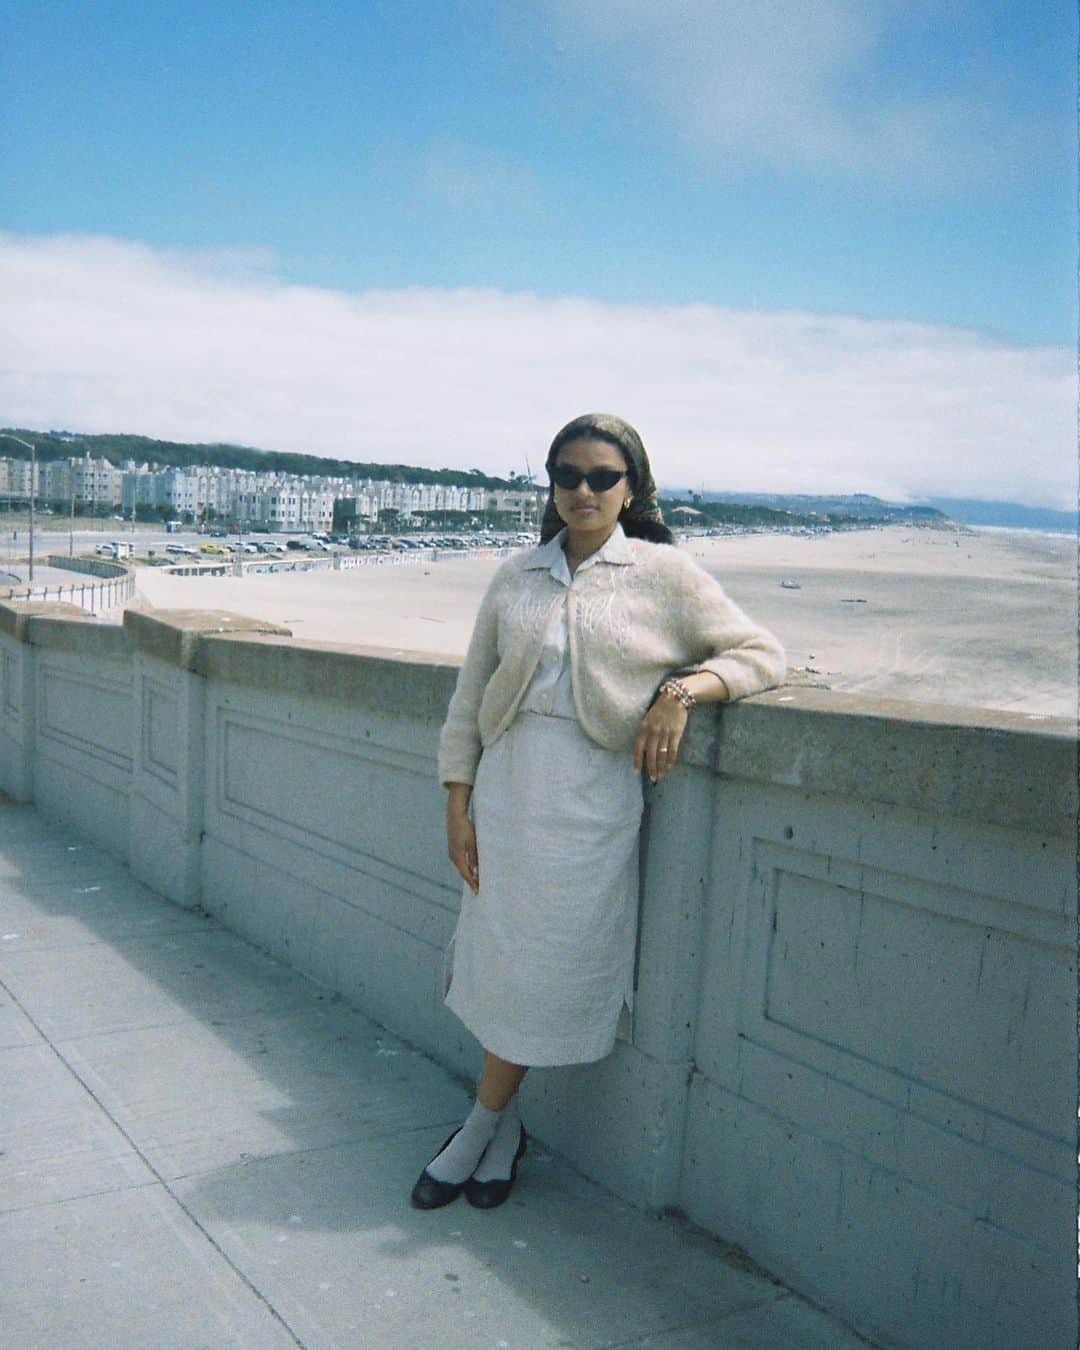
pixel 647 612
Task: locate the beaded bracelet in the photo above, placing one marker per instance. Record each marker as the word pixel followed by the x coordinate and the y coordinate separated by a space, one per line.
pixel 674 688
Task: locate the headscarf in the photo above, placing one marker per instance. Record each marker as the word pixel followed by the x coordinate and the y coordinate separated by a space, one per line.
pixel 642 518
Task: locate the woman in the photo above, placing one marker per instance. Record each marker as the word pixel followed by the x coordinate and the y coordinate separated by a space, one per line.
pixel 587 656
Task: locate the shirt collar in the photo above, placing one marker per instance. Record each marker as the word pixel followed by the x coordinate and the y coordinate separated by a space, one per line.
pixel 615 549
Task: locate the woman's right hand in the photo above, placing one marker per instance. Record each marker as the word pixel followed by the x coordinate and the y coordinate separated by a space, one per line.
pixel 461 836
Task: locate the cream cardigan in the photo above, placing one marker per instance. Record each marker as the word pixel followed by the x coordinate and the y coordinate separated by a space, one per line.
pixel 641 613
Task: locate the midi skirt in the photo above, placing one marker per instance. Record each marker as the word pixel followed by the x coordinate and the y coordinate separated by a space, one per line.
pixel 541 964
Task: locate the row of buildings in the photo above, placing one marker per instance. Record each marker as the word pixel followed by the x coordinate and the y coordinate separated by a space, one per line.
pixel 249 499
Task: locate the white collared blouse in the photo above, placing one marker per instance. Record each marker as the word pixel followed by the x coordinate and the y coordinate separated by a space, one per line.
pixel 551 689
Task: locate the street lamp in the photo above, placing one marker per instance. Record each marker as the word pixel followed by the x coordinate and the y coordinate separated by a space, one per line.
pixel 33 484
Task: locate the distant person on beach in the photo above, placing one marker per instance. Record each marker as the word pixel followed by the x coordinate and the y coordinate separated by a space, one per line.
pixel 588 654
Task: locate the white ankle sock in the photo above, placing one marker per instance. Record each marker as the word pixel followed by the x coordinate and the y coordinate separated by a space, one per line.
pixel 456 1162
pixel 499 1155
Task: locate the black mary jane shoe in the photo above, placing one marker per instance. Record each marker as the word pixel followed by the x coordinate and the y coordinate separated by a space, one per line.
pixel 431 1193
pixel 491 1194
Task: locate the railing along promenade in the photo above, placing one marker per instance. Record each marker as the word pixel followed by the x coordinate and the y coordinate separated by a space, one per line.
pixel 115 585
pixel 853 1046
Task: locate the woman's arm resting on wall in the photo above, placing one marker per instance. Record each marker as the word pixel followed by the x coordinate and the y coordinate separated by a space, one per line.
pixel 664 725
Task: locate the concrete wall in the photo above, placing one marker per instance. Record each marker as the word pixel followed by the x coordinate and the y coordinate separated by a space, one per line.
pixel 853 1049
pixel 95 567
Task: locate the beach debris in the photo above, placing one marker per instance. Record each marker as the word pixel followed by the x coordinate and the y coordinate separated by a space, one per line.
pixel 790 585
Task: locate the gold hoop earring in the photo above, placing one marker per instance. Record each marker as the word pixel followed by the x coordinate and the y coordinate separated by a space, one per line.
pixel 626 504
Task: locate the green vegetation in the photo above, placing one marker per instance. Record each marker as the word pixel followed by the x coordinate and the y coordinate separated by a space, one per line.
pixel 711 513
pixel 856 505
pixel 754 511
pixel 179 454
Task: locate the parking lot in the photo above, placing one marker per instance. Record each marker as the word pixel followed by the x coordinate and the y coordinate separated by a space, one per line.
pixel 220 544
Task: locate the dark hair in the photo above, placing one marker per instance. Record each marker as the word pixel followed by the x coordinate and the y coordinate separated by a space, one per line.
pixel 642 518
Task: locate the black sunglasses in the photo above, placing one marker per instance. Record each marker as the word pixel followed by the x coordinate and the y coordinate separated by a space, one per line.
pixel 599 480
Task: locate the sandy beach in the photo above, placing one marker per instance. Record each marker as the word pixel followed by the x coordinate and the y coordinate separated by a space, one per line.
pixel 983 618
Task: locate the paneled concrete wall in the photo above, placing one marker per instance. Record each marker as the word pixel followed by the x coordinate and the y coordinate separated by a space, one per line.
pixel 885 1038
pixel 853 1046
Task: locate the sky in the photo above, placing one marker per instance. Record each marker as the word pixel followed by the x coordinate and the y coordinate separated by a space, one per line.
pixel 818 246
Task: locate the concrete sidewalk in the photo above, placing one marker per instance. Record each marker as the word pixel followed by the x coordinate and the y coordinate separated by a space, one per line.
pixel 200 1148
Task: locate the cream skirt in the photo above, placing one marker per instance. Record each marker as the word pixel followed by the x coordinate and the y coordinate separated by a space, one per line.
pixel 542 960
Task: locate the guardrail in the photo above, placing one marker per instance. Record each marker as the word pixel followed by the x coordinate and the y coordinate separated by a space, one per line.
pixel 115 587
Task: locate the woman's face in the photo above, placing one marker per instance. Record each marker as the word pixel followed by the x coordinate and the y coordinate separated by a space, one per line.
pixel 583 508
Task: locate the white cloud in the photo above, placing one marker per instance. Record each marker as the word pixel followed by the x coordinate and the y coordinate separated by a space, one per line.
pixel 104 335
pixel 824 87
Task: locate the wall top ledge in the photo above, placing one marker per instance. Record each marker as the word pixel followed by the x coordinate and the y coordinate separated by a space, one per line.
pixel 393 680
pixel 15 615
pixel 834 703
pixel 966 763
pixel 174 635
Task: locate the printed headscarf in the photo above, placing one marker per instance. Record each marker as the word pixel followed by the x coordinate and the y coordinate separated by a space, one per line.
pixel 642 518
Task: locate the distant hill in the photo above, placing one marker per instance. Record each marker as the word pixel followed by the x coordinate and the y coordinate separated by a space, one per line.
pixel 962 510
pixel 1006 515
pixel 806 508
pixel 179 454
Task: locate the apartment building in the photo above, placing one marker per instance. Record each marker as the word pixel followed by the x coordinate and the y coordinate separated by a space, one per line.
pixel 89 482
pixel 277 502
pixel 15 479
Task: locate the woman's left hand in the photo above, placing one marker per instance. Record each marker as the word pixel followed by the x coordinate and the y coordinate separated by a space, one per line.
pixel 659 737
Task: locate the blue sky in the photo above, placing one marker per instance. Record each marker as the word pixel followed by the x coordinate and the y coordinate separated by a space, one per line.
pixel 897 164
